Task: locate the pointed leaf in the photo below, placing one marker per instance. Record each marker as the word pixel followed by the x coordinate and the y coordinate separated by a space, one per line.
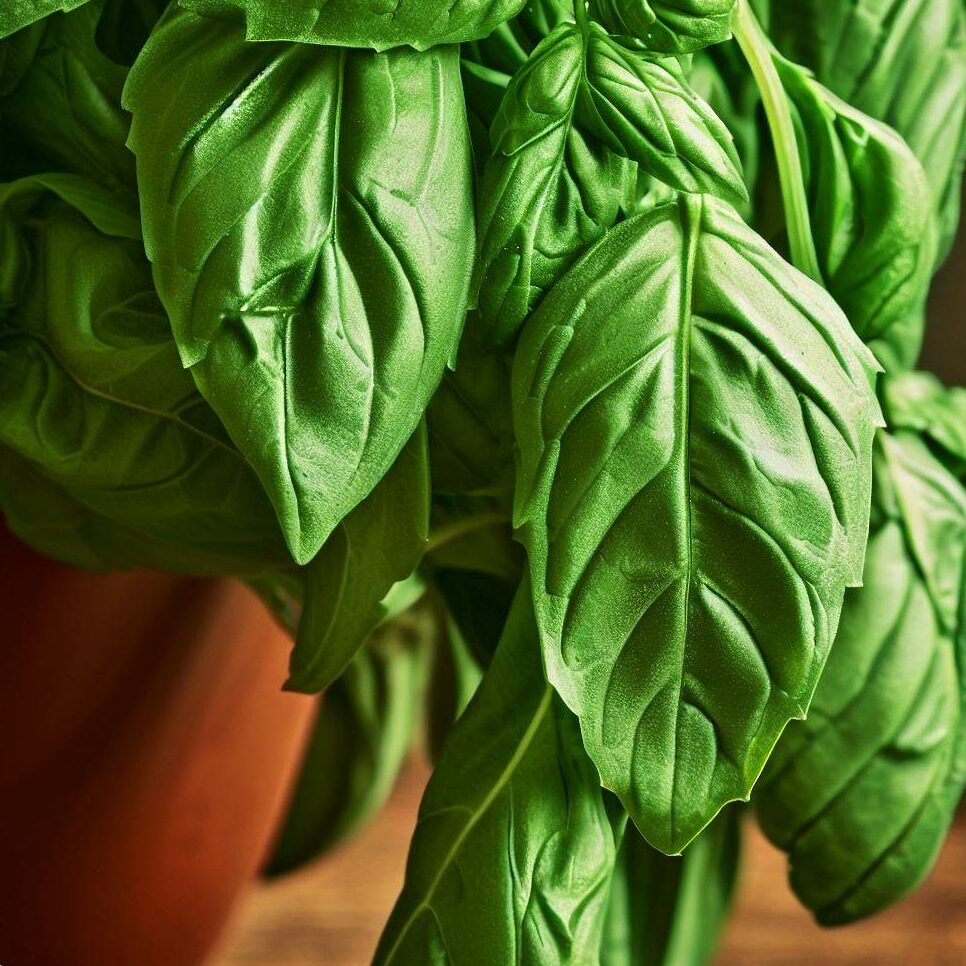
pixel 379 543
pixel 17 14
pixel 900 61
pixel 643 108
pixel 365 728
pixel 308 214
pixel 667 26
pixel 547 857
pixel 871 219
pixel 694 421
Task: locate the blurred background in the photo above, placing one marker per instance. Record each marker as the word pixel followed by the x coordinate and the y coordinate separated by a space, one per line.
pixel 331 914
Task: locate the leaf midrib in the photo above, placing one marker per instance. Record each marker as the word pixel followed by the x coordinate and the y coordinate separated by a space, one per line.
pixel 426 903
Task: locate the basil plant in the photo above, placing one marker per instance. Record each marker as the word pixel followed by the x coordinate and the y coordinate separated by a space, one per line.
pixel 549 369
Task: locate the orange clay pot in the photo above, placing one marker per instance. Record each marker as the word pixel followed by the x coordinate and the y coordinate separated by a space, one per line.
pixel 146 750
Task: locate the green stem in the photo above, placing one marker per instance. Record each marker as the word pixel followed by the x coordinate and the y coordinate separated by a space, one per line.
pixel 758 51
pixel 460 528
pixel 580 14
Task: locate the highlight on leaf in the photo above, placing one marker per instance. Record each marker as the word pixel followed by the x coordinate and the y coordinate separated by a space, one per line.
pixel 682 666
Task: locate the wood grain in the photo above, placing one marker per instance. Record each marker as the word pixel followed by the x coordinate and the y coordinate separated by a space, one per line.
pixel 331 914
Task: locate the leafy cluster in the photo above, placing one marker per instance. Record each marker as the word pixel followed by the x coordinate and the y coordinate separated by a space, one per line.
pixel 549 370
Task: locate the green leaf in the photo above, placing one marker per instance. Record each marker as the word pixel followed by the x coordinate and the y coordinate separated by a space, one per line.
pixel 93 397
pixel 515 844
pixel 379 543
pixel 456 676
pixel 365 728
pixel 364 23
pixel 489 63
pixel 863 792
pixel 901 61
pixel 694 421
pixel 308 213
pixel 931 504
pixel 644 109
pixel 479 603
pixel 547 191
pixel 52 521
pixel 17 14
pixel 557 179
pixel 721 78
pixel 919 401
pixel 469 420
pixel 669 910
pixel 61 108
pixel 667 26
pixel 870 215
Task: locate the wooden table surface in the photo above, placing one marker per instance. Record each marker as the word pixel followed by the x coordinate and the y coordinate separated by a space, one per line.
pixel 331 914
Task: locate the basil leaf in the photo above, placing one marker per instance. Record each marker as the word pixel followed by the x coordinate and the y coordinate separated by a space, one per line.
pixel 48 518
pixel 721 78
pixel 469 420
pixel 901 61
pixel 669 910
pixel 364 23
pixel 93 397
pixel 870 215
pixel 479 603
pixel 379 543
pixel 308 213
pixel 685 391
pixel 556 180
pixel 489 63
pixel 18 14
pixel 547 191
pixel 365 728
pixel 863 792
pixel 547 857
pixel 919 401
pixel 67 77
pixel 455 678
pixel 644 109
pixel 667 26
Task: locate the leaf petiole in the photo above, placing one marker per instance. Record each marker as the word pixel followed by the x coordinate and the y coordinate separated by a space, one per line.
pixel 758 52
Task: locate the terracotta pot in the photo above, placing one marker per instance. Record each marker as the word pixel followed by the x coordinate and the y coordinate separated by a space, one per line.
pixel 146 750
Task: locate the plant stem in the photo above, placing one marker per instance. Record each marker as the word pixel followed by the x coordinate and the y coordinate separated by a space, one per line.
pixel 460 528
pixel 758 51
pixel 580 14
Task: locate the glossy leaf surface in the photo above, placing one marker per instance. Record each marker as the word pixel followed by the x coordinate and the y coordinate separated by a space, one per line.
pixel 862 793
pixel 695 422
pixel 668 26
pixel 379 543
pixel 571 119
pixel 365 23
pixel 309 218
pixel 870 214
pixel 901 61
pixel 17 14
pixel 547 857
